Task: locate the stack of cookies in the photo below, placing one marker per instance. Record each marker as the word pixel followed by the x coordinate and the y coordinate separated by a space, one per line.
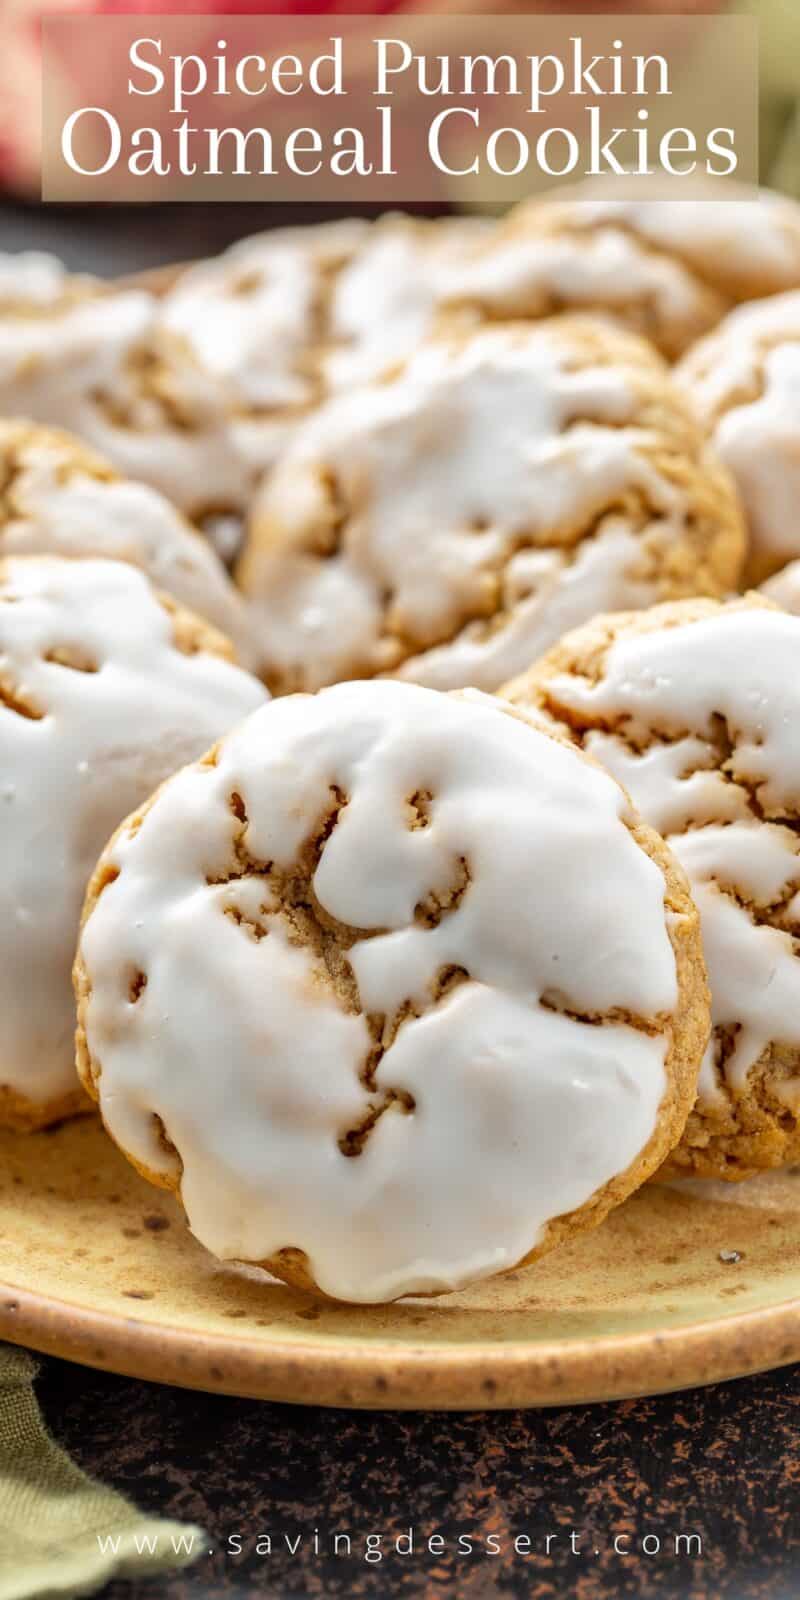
pixel 400 780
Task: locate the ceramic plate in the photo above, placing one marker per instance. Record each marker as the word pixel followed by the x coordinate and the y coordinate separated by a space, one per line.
pixel 682 1285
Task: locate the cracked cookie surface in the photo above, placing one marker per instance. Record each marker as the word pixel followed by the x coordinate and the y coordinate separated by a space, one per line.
pixel 101 360
pixel 349 985
pixel 449 522
pixel 193 384
pixel 58 498
pixel 694 708
pixel 105 688
pixel 406 275
pixel 256 316
pixel 744 381
pixel 668 269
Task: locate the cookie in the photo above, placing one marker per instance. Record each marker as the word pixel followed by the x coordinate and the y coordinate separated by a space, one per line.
pixel 349 984
pixel 193 384
pixel 403 279
pixel 784 588
pixel 57 498
pixel 695 707
pixel 34 279
pixel 255 317
pixel 449 522
pixel 544 260
pixel 669 269
pixel 744 381
pixel 105 689
pixel 99 361
pixel 290 316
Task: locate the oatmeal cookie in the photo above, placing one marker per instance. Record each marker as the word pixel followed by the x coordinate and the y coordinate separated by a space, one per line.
pixel 58 498
pixel 256 316
pixel 449 522
pixel 744 380
pixel 99 360
pixel 105 688
pixel 668 269
pixel 784 588
pixel 33 279
pixel 350 986
pixel 401 281
pixel 694 707
pixel 288 317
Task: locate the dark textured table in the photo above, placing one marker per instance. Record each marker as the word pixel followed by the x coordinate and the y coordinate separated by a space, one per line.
pixel 722 1464
pixel 113 239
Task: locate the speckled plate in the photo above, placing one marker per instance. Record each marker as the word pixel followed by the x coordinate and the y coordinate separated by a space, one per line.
pixel 681 1286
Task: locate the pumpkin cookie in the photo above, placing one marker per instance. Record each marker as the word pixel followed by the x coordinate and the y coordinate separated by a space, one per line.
pixel 34 279
pixel 288 317
pixel 349 984
pixel 542 261
pixel 100 361
pixel 695 707
pixel 256 316
pixel 104 690
pixel 669 269
pixel 744 380
pixel 405 275
pixel 57 498
pixel 784 588
pixel 451 521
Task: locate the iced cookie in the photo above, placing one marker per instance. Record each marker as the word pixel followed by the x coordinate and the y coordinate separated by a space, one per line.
pixel 669 269
pixel 695 708
pixel 291 315
pixel 451 521
pixel 100 361
pixel 105 689
pixel 744 381
pixel 34 279
pixel 542 261
pixel 784 588
pixel 350 985
pixel 404 276
pixel 256 316
pixel 57 498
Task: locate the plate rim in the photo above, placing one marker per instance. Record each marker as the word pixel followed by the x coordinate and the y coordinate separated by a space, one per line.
pixel 390 1375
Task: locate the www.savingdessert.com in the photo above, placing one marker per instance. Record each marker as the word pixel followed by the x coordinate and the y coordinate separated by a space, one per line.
pixel 413 1543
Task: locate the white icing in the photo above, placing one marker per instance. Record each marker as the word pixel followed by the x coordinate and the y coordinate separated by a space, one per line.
pixel 287 315
pixel 745 381
pixel 243 1050
pixel 387 298
pixel 529 271
pixel 549 592
pixel 784 588
pixel 58 508
pixel 743 665
pixel 104 740
pixel 744 240
pixel 467 482
pixel 32 278
pixel 709 1092
pixel 252 315
pixel 79 367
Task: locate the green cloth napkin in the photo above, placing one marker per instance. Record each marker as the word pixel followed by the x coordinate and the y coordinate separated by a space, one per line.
pixel 60 1532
